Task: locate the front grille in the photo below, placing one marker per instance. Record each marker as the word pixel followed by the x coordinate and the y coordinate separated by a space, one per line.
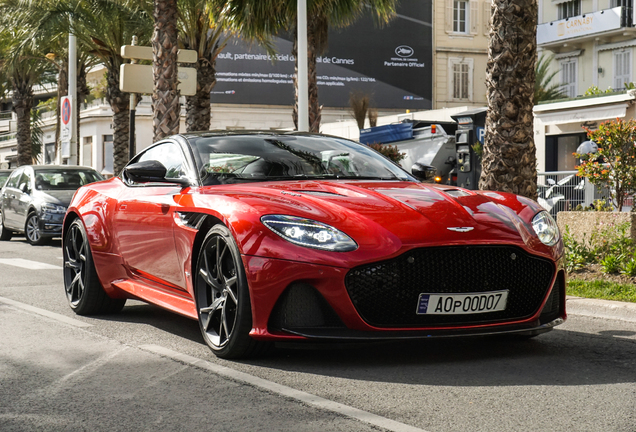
pixel 386 293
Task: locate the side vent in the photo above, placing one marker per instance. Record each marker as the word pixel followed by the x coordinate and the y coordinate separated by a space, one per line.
pixel 192 220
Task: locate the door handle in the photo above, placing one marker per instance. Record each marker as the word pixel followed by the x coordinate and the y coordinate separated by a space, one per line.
pixel 123 207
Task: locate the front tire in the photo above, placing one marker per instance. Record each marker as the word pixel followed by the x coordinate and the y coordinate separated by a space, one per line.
pixel 84 292
pixel 222 297
pixel 32 230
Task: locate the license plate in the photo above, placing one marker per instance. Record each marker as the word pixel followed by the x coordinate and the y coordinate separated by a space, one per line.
pixel 460 304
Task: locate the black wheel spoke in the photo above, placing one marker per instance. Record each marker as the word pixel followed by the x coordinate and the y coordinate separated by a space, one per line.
pixel 217 290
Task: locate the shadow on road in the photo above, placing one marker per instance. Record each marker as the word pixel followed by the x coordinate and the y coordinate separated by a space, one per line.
pixel 561 357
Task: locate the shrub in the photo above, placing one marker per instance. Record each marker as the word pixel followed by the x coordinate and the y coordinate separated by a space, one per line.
pixel 389 151
pixel 615 162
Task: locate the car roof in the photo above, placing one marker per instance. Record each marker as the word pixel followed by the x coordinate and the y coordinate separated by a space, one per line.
pixel 256 132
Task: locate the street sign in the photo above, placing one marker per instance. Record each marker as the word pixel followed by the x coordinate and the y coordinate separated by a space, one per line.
pixel 66 125
pixel 137 52
pixel 136 78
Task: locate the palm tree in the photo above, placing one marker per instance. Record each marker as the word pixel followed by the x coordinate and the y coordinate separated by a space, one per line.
pixel 201 29
pixel 102 27
pixel 509 157
pixel 259 18
pixel 165 96
pixel 544 89
pixel 24 69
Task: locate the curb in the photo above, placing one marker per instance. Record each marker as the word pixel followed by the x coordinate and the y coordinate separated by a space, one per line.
pixel 608 309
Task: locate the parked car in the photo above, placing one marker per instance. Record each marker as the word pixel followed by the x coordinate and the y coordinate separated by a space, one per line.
pixel 35 199
pixel 266 237
pixel 4 175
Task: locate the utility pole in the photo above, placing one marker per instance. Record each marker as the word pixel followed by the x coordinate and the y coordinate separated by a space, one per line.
pixel 303 79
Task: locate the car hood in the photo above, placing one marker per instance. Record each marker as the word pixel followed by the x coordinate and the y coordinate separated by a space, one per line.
pixel 390 215
pixel 59 197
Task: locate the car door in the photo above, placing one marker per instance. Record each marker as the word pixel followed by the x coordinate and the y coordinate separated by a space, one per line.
pixel 144 219
pixel 10 200
pixel 24 198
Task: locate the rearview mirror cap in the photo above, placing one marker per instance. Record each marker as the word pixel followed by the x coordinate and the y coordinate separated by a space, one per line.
pixel 151 171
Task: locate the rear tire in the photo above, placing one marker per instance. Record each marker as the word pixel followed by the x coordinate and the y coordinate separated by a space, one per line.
pixel 84 292
pixel 223 299
pixel 5 234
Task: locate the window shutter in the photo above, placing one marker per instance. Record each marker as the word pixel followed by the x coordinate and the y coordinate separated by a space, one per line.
pixel 449 16
pixel 486 18
pixel 474 17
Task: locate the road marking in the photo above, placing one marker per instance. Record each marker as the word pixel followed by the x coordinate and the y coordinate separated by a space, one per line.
pixel 282 390
pixel 28 264
pixel 44 312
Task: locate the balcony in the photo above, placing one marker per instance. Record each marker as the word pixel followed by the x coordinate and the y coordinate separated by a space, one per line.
pixel 608 23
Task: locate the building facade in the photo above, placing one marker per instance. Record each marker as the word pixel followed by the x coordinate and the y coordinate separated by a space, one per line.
pixel 591 43
pixel 460 48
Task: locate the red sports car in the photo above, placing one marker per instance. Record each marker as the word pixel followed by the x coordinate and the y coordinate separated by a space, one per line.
pixel 266 237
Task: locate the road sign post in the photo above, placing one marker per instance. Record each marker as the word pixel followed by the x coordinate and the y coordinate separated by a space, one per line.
pixel 135 78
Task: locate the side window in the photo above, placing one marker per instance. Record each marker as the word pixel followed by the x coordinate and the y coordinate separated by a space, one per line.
pixel 170 155
pixel 13 180
pixel 24 178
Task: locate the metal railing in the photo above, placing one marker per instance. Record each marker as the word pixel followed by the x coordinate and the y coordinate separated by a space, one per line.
pixel 565 190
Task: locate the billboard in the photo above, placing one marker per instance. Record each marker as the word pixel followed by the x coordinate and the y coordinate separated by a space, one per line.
pixel 392 64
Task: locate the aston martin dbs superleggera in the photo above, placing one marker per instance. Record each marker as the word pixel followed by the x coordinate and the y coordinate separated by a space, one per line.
pixel 265 237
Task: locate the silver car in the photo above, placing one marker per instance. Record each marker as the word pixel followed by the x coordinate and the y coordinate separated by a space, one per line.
pixel 35 198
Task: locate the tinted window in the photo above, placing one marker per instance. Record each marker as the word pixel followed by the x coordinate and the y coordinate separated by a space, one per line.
pixel 62 179
pixel 170 155
pixel 236 158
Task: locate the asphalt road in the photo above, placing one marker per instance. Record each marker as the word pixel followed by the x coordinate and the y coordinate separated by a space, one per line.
pixel 147 369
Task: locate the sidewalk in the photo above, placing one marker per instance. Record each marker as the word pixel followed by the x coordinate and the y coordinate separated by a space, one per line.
pixel 608 309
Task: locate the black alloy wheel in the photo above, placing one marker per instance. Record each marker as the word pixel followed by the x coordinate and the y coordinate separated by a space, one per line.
pixel 222 297
pixel 84 292
pixel 5 234
pixel 32 230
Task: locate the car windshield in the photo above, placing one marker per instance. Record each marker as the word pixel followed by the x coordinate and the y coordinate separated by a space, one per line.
pixel 63 179
pixel 242 158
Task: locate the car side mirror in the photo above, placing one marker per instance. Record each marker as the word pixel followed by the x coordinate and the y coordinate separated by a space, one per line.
pixel 423 172
pixel 151 171
pixel 24 187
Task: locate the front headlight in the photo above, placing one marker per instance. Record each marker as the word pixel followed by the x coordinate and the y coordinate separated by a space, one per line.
pixel 309 233
pixel 53 208
pixel 546 228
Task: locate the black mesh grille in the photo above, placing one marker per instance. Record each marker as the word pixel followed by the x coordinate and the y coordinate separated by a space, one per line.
pixel 301 306
pixel 386 294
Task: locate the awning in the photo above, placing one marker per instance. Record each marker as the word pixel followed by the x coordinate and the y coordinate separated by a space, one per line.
pixel 582 115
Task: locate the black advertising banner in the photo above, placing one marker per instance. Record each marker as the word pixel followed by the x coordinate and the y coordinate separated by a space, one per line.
pixel 392 64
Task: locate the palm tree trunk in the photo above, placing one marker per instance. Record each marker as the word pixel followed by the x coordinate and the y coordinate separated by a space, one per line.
pixel 82 91
pixel 119 103
pixel 22 100
pixel 509 160
pixel 165 97
pixel 198 106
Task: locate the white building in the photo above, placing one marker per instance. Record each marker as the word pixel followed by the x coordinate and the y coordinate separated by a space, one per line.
pixel 592 43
